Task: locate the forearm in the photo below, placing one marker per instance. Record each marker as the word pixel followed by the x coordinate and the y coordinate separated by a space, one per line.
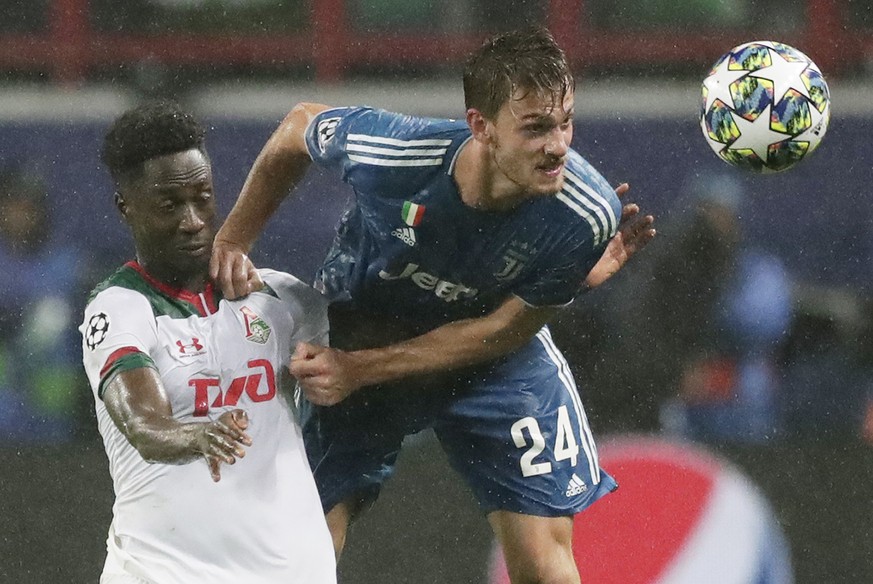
pixel 166 440
pixel 451 346
pixel 137 404
pixel 278 168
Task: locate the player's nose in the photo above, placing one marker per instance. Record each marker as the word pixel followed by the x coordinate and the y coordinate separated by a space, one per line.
pixel 192 220
pixel 557 145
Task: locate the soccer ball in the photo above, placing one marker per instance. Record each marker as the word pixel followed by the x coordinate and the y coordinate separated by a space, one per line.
pixel 765 106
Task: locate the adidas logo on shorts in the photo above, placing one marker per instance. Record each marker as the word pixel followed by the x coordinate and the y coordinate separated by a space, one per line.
pixel 405 234
pixel 576 486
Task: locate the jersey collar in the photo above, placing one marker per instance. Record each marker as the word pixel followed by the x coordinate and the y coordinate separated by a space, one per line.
pixel 205 302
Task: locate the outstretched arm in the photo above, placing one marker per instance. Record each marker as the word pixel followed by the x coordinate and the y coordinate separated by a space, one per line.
pixel 328 375
pixel 137 402
pixel 276 171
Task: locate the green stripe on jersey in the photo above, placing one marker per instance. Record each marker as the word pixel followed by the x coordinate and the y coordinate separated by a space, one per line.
pixel 162 305
pixel 125 363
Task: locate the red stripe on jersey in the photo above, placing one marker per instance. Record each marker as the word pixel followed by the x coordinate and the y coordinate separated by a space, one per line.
pixel 209 295
pixel 180 293
pixel 419 213
pixel 115 356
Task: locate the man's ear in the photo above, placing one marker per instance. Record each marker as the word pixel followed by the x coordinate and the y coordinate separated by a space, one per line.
pixel 120 204
pixel 479 125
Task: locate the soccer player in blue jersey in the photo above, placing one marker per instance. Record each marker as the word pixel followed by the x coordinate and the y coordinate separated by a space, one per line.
pixel 464 239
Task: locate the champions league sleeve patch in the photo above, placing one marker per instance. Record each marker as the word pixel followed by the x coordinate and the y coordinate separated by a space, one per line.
pixel 325 131
pixel 96 330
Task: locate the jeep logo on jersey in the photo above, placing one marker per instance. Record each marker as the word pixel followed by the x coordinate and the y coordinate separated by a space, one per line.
pixel 259 385
pixel 325 132
pixel 443 289
pixel 257 329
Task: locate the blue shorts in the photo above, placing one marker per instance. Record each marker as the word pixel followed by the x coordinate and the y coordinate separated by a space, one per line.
pixel 514 429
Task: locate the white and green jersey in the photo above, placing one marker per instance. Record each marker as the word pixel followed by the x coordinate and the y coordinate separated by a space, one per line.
pixel 263 522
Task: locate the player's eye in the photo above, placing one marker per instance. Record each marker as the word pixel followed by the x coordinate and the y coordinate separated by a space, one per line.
pixel 537 129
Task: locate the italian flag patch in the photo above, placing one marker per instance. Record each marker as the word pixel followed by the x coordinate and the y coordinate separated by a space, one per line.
pixel 412 213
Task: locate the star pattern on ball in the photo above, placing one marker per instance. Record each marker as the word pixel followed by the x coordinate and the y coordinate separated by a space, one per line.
pixel 817 128
pixel 718 85
pixel 782 72
pixel 95 332
pixel 756 136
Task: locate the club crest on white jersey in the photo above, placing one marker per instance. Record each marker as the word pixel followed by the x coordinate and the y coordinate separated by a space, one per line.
pixel 257 329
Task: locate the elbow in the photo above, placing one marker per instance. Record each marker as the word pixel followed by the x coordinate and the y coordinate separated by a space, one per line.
pixel 301 114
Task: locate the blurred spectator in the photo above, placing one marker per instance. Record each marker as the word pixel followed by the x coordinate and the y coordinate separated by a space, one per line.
pixel 712 317
pixel 826 368
pixel 38 366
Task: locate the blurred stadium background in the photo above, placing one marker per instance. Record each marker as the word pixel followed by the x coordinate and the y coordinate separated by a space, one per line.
pixel 803 435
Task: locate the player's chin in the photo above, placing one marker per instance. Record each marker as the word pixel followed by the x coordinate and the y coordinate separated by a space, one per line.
pixel 547 183
pixel 192 263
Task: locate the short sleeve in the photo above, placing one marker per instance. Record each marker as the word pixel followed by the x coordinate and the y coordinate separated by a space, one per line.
pixel 560 283
pixel 327 134
pixel 379 152
pixel 118 334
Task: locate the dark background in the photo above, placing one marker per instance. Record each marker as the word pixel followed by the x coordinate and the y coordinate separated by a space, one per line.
pixel 56 506
pixel 55 500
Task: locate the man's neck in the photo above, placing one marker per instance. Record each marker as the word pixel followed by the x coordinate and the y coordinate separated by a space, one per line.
pixel 194 282
pixel 481 185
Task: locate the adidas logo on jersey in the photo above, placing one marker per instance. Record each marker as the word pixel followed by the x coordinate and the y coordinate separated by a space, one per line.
pixel 406 235
pixel 577 486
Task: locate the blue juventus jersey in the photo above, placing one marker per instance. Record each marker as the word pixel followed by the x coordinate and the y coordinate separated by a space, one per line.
pixel 409 248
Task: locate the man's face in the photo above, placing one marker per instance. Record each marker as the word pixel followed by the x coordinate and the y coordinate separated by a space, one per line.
pixel 531 138
pixel 21 220
pixel 171 212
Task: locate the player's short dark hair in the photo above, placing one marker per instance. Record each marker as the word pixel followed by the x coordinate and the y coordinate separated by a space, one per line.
pixel 527 59
pixel 153 129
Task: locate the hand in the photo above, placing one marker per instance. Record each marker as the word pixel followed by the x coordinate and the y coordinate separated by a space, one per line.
pixel 221 440
pixel 327 376
pixel 233 271
pixel 635 231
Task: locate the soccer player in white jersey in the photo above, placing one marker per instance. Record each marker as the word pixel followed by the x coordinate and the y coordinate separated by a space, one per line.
pixel 211 478
pixel 464 239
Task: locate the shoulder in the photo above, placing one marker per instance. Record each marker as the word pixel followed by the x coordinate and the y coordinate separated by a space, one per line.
pixel 289 288
pixel 115 309
pixel 579 174
pixel 123 287
pixel 380 152
pixel 306 305
pixel 361 121
pixel 589 199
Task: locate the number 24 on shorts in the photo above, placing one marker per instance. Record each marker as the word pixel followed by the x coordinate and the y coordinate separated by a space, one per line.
pixel 566 446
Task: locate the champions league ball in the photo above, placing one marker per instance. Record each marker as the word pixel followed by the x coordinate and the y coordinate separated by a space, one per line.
pixel 765 106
